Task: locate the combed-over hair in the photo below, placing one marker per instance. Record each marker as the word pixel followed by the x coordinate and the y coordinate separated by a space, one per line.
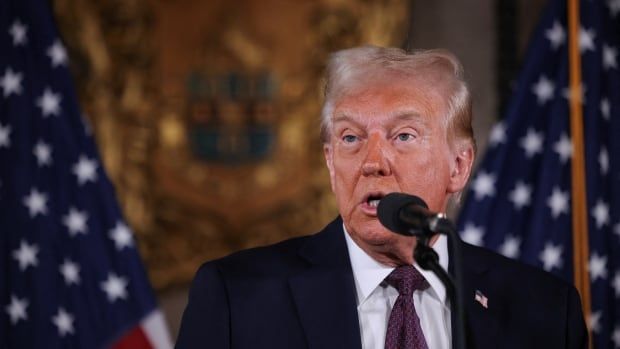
pixel 352 68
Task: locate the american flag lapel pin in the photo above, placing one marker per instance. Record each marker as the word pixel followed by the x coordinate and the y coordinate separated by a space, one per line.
pixel 482 299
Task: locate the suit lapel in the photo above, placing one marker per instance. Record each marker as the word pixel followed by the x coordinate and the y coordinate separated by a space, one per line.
pixel 324 293
pixel 325 298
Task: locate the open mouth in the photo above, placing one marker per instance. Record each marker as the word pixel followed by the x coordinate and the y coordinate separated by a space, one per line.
pixel 372 199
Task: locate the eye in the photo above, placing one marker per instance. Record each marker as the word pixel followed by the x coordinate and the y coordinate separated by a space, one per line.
pixel 404 137
pixel 349 138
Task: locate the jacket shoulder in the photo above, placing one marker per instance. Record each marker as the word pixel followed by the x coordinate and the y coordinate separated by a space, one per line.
pixel 511 269
pixel 537 309
pixel 281 255
pixel 280 258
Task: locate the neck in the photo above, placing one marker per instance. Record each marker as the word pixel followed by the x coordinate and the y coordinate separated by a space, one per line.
pixel 393 253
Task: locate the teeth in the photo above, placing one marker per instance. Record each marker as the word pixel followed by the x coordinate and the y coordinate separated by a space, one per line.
pixel 373 203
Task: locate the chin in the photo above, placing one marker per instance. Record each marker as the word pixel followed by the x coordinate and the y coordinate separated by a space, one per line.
pixel 377 236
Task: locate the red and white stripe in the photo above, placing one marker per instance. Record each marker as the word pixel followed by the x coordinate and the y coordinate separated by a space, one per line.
pixel 152 333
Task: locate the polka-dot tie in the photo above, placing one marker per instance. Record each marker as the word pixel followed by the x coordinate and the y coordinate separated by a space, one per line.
pixel 403 330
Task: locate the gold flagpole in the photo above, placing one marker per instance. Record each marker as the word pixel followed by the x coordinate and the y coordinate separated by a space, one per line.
pixel 578 185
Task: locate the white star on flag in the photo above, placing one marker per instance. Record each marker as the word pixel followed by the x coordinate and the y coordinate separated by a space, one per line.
pixel 594 321
pixel 520 196
pixel 36 202
pixel 543 89
pixel 586 40
pixel 616 284
pixel 610 56
pixel 597 266
pixel 510 246
pixel 17 309
pixel 26 255
pixel 11 82
pixel 472 234
pixel 603 161
pixel 614 7
pixel 115 287
pixel 5 136
pixel 484 185
pixel 75 221
pixel 578 93
pixel 615 337
pixel 605 108
pixel 18 32
pixel 49 102
pixel 564 148
pixel 532 143
pixel 558 202
pixel 64 322
pixel 498 134
pixel 85 170
pixel 600 212
pixel 551 256
pixel 70 272
pixel 43 152
pixel 57 54
pixel 121 236
pixel 556 35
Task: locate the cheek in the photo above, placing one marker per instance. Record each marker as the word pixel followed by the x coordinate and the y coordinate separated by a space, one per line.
pixel 426 175
pixel 344 179
pixel 346 168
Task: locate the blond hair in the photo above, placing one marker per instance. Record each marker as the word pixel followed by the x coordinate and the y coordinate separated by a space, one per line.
pixel 350 68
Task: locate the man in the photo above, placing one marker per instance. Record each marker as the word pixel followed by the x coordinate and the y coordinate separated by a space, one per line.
pixel 392 122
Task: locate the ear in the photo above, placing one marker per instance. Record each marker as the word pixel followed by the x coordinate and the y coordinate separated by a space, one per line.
pixel 461 170
pixel 328 152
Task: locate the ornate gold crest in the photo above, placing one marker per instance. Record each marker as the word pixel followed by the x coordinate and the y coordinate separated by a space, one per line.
pixel 207 114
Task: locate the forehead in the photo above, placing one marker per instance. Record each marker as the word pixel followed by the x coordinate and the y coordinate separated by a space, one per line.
pixel 391 97
pixel 393 119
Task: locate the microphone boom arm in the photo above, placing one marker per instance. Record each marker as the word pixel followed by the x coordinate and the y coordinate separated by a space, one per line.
pixel 428 259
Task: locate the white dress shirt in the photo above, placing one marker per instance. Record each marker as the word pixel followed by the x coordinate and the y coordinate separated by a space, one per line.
pixel 375 298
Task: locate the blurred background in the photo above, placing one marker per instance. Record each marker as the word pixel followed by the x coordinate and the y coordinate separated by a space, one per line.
pixel 206 113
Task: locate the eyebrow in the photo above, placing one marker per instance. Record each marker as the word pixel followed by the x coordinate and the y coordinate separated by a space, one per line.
pixel 344 118
pixel 399 116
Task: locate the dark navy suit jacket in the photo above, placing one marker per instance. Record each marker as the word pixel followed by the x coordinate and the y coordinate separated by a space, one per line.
pixel 300 293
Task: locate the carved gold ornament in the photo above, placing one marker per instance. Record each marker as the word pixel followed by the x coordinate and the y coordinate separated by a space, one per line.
pixel 206 114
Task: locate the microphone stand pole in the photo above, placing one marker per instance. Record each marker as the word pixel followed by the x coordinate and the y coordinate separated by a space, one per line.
pixel 428 259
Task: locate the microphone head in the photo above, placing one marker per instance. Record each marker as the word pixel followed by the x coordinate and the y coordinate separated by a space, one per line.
pixel 388 211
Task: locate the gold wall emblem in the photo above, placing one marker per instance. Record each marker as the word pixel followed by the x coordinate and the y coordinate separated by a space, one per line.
pixel 207 114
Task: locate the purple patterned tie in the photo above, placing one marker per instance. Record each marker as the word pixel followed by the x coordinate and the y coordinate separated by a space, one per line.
pixel 403 330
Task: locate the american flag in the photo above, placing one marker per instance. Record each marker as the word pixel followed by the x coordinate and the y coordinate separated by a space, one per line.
pixel 71 276
pixel 519 201
pixel 482 299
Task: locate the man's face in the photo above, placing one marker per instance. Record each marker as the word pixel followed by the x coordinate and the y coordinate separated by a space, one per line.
pixel 389 136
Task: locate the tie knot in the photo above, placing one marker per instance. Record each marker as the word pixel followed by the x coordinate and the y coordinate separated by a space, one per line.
pixel 406 279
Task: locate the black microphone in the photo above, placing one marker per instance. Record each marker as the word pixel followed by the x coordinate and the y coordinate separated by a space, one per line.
pixel 406 215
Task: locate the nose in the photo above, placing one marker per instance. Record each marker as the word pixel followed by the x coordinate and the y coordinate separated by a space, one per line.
pixel 376 162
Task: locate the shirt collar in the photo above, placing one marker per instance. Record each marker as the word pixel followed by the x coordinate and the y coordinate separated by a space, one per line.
pixel 368 273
